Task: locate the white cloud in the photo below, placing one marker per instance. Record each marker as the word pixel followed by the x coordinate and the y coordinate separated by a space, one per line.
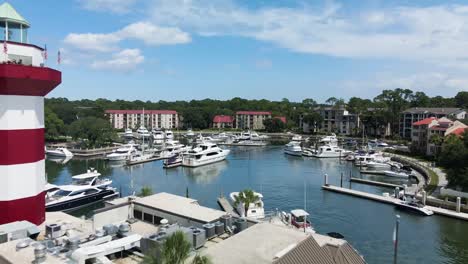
pixel 125 60
pixel 147 32
pixel 114 6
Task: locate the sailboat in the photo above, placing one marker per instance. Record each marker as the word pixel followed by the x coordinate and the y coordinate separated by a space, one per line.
pixel 140 156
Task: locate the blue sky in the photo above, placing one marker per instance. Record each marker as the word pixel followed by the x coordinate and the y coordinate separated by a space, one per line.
pixel 182 49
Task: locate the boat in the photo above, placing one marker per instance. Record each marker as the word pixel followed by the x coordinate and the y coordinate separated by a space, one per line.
pixel 205 153
pixel 298 219
pixel 255 209
pixel 413 206
pixel 249 143
pixel 190 133
pixel 85 189
pixel 172 148
pixel 172 162
pixel 308 152
pixel 379 165
pixel 59 152
pixel 122 153
pixel 158 136
pixel 329 151
pixel 398 174
pixel 143 132
pixel 168 134
pixel 202 139
pixel 140 157
pixel 293 148
pixel 221 137
pixel 128 133
pixel 297 138
pixel 329 140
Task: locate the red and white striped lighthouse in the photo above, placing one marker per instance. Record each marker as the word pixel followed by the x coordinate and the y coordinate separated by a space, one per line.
pixel 24 81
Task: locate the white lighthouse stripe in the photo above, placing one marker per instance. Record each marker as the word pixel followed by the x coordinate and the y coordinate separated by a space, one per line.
pixel 23 180
pixel 21 112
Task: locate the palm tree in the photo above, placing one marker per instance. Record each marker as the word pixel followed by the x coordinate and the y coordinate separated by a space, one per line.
pixel 246 197
pixel 176 249
pixel 145 191
pixel 201 260
pixel 437 140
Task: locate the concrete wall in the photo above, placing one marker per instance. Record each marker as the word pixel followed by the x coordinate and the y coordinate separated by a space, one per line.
pixel 115 214
pixel 170 217
pixel 453 193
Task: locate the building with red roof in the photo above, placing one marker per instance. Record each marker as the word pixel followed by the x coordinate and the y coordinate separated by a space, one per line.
pixel 223 121
pixel 282 118
pixel 251 119
pixel 159 119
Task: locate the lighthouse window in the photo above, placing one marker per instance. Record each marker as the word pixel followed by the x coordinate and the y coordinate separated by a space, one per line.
pixel 14 32
pixel 2 30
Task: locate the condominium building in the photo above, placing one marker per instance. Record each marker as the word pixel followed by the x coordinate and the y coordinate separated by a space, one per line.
pixel 251 119
pixel 335 120
pixel 223 121
pixel 423 131
pixel 415 114
pixel 162 119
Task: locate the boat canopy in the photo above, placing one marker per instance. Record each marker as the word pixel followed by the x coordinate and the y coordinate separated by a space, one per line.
pixel 299 213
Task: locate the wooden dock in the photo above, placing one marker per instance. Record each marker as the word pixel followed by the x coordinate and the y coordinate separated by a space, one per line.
pixel 226 206
pixel 376 183
pixel 391 200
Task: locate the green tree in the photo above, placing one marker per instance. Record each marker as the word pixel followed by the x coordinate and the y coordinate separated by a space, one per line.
pixel 176 248
pixel 145 191
pixel 437 140
pixel 198 259
pixel 54 126
pixel 273 125
pixel 313 119
pixel 93 132
pixel 453 157
pixel 246 197
pixel 461 99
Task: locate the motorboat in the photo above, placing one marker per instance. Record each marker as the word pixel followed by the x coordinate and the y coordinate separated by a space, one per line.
pixel 172 148
pixel 255 209
pixel 362 160
pixel 331 140
pixel 128 133
pixel 297 138
pixel 85 189
pixel 414 206
pixel 168 134
pixel 293 148
pixel 221 137
pixel 329 151
pixel 190 133
pixel 202 139
pixel 398 174
pixel 378 165
pixel 308 152
pixel 140 157
pixel 143 132
pixel 298 219
pixel 59 152
pixel 250 143
pixel 172 162
pixel 204 153
pixel 122 153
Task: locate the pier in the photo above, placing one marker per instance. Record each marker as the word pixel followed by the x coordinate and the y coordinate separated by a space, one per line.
pixel 375 183
pixel 391 200
pixel 130 163
pixel 226 206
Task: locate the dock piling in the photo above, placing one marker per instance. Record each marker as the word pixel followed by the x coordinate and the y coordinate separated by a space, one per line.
pixel 326 179
pixel 424 197
pixel 341 181
pixel 458 204
pixel 397 192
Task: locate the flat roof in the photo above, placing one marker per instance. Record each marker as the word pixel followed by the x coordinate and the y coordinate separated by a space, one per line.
pixel 257 244
pixel 181 206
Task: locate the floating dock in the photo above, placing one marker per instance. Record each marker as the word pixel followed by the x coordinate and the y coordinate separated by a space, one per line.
pixel 391 200
pixel 376 183
pixel 226 206
pixel 130 163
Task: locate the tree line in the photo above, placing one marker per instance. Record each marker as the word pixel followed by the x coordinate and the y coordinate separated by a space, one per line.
pixel 86 118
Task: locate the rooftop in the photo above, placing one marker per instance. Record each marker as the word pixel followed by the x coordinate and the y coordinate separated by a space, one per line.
pixel 425 121
pixel 8 13
pixel 433 110
pixel 223 119
pixel 181 206
pixel 149 112
pixel 459 131
pixel 253 113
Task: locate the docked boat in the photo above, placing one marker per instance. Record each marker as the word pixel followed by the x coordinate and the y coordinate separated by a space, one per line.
pixel 308 152
pixel 329 151
pixel 158 136
pixel 250 143
pixel 172 148
pixel 398 174
pixel 205 153
pixel 293 148
pixel 298 219
pixel 331 140
pixel 122 153
pixel 140 157
pixel 379 165
pixel 143 132
pixel 255 209
pixel 168 135
pixel 85 189
pixel 172 162
pixel 413 206
pixel 59 152
pixel 190 133
pixel 128 133
pixel 201 139
pixel 297 138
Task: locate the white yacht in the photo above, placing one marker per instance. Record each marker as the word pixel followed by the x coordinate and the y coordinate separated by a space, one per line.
pixel 414 206
pixel 203 154
pixel 202 139
pixel 293 148
pixel 378 165
pixel 255 209
pixel 190 133
pixel 308 152
pixel 158 136
pixel 297 138
pixel 250 143
pixel 122 153
pixel 329 151
pixel 128 133
pixel 59 152
pixel 398 174
pixel 168 134
pixel 329 140
pixel 172 162
pixel 85 189
pixel 143 132
pixel 140 157
pixel 172 148
pixel 363 159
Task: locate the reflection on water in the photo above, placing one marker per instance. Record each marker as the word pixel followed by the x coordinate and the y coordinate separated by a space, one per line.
pixel 282 179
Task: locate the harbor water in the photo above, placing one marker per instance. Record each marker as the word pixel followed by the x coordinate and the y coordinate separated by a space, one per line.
pixel 289 183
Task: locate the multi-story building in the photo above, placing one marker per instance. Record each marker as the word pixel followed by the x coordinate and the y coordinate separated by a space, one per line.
pixel 161 119
pixel 423 130
pixel 335 120
pixel 223 121
pixel 415 114
pixel 251 119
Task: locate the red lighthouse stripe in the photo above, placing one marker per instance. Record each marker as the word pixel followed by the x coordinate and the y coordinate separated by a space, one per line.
pixel 21 146
pixel 27 80
pixel 29 208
